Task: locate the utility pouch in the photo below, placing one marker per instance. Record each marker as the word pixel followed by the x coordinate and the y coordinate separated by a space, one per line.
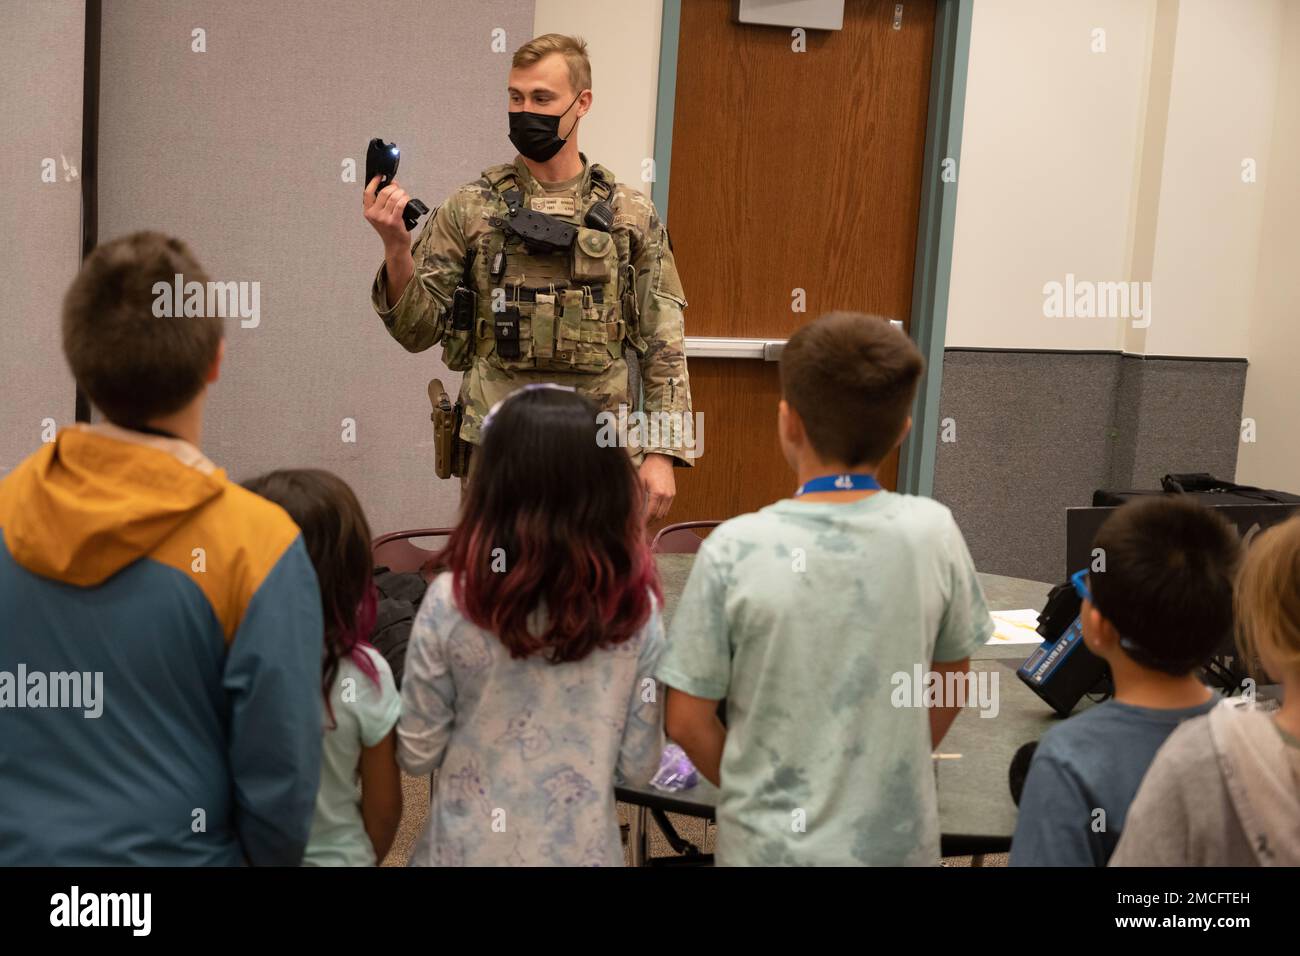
pixel 544 326
pixel 592 259
pixel 458 338
pixel 505 328
pixel 464 306
pixel 631 310
pixel 569 330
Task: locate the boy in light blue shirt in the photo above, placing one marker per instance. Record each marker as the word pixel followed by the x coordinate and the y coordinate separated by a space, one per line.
pixel 808 616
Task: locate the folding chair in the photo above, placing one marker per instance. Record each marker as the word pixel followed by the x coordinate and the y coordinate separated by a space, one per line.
pixel 672 539
pixel 396 552
pixel 679 539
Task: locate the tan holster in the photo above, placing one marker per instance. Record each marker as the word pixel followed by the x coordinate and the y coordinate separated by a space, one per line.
pixel 450 452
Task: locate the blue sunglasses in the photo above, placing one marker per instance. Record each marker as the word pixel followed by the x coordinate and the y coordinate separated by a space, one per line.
pixel 1136 651
pixel 1078 579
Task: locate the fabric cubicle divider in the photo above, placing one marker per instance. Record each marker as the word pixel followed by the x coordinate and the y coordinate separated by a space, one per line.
pixel 240 150
pixel 40 102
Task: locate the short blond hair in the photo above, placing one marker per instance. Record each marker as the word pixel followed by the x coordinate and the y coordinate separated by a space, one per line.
pixel 574 50
pixel 1268 597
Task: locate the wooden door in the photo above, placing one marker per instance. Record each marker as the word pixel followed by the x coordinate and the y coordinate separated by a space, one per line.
pixel 790 171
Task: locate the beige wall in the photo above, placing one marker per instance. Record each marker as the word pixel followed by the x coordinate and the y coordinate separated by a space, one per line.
pixel 1272 386
pixel 1115 166
pixel 623 44
pixel 1046 180
pixel 1222 109
pixel 40 118
pixel 1127 165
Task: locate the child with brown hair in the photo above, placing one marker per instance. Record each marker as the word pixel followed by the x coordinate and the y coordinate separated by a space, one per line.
pixel 128 556
pixel 353 825
pixel 1224 790
pixel 809 615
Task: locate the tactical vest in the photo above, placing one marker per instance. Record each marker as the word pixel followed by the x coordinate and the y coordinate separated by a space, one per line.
pixel 543 310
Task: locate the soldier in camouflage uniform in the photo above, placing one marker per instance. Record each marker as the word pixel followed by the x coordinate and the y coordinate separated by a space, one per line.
pixel 575 317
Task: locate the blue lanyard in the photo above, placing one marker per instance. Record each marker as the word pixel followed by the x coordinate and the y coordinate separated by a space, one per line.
pixel 838 483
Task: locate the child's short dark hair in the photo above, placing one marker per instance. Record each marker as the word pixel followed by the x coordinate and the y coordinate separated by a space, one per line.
pixel 852 378
pixel 1167 583
pixel 134 365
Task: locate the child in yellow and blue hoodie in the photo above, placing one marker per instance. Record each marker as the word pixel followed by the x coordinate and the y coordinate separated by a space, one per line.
pixel 160 626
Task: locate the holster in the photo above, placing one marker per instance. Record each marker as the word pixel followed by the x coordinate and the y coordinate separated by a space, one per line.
pixel 444 428
pixel 450 452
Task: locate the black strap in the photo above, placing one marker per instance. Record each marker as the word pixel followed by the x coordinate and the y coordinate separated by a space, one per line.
pixel 514 199
pixel 525 294
pixel 600 184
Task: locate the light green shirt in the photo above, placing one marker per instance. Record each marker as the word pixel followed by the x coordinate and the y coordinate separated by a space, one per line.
pixel 364 715
pixel 799 615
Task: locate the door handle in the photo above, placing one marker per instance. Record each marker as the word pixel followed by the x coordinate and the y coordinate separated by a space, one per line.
pixel 769 350
pixel 698 346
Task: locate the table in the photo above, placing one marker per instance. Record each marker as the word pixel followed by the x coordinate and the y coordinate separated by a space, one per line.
pixel 976 813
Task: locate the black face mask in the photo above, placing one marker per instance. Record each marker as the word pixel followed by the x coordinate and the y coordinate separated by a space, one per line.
pixel 537 135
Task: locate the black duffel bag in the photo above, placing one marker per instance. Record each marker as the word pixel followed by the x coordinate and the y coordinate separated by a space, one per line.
pixel 400 594
pixel 1204 487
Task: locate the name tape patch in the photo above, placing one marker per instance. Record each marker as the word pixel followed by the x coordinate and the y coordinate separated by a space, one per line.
pixel 554 205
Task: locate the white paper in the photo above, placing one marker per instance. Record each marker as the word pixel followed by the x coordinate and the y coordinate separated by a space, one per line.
pixel 1015 627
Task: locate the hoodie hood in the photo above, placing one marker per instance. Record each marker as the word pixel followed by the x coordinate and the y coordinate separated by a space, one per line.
pixel 99 498
pixel 1262 775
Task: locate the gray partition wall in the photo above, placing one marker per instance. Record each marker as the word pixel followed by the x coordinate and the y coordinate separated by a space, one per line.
pixel 240 149
pixel 40 203
pixel 1023 435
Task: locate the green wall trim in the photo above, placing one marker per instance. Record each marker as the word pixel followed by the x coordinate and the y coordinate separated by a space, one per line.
pixel 666 103
pixel 929 320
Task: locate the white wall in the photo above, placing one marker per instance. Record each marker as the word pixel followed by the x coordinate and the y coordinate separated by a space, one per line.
pixel 1046 180
pixel 1222 109
pixel 1115 166
pixel 1127 165
pixel 1272 389
pixel 623 45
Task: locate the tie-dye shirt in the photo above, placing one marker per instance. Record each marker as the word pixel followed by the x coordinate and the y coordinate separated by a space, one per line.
pixel 526 751
pixel 806 617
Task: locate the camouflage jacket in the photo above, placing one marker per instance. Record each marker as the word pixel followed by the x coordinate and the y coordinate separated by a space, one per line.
pixel 655 333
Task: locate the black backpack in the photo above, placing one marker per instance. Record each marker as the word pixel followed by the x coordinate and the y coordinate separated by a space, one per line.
pixel 400 594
